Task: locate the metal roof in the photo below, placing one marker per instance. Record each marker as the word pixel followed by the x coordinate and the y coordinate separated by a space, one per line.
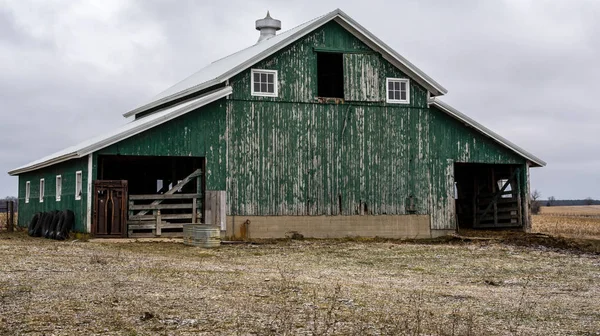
pixel 222 70
pixel 130 129
pixel 486 131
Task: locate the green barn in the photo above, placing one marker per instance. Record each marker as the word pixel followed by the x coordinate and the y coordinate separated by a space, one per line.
pixel 322 130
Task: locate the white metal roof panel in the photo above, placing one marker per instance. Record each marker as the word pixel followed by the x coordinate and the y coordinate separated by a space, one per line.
pixel 225 68
pixel 130 129
pixel 486 131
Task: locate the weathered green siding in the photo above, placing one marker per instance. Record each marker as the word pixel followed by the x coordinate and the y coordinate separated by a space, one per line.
pixel 67 171
pixel 290 155
pixel 198 133
pixel 297 69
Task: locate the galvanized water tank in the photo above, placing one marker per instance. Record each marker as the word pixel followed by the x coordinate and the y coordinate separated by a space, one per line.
pixel 201 235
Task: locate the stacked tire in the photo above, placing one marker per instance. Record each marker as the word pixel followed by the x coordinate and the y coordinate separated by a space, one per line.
pixel 52 225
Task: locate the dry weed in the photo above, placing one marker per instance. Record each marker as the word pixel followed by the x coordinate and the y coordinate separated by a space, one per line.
pixel 570 226
pixel 295 287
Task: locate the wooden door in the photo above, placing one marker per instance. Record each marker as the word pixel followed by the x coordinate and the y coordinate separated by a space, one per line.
pixel 110 209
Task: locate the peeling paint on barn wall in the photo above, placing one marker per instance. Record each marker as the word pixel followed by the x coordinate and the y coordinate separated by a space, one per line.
pixel 67 171
pixel 292 156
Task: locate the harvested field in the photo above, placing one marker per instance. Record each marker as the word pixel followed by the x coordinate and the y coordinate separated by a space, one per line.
pixel 567 226
pixel 580 210
pixel 569 221
pixel 451 286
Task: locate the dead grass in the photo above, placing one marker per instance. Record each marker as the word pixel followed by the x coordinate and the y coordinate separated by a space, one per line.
pixel 459 286
pixel 593 210
pixel 4 220
pixel 568 226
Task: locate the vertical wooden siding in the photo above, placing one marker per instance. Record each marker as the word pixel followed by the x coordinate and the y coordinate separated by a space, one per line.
pixel 290 155
pixel 67 201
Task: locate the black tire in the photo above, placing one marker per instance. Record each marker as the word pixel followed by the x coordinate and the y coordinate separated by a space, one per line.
pixel 37 230
pixel 32 224
pixel 61 223
pixel 67 225
pixel 56 227
pixel 51 223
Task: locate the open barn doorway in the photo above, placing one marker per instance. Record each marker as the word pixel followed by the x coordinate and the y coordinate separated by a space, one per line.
pixel 488 196
pixel 163 192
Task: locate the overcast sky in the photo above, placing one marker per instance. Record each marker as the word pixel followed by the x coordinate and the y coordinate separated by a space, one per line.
pixel 527 69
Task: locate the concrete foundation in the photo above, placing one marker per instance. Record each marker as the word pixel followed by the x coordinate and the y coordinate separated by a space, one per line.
pixel 400 226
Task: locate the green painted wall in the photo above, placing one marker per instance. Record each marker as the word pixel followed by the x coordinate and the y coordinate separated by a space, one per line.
pixel 297 68
pixel 67 171
pixel 197 133
pixel 290 155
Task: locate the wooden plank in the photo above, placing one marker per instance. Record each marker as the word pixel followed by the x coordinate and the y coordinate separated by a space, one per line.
pixel 148 226
pixel 11 216
pixel 499 217
pixel 151 235
pixel 164 217
pixel 162 196
pixel 194 211
pixel 173 190
pixel 160 207
pixel 158 222
pixel 221 210
pixel 493 203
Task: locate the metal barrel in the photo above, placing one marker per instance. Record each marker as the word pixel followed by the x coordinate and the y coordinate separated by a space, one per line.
pixel 201 235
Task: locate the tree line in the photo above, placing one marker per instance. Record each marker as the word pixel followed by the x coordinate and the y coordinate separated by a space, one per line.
pixel 537 202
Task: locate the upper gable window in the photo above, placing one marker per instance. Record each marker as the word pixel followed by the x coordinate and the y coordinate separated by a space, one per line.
pixel 398 91
pixel 330 75
pixel 264 83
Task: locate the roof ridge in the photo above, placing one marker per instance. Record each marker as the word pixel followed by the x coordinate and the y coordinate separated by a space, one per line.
pixel 282 33
pixel 224 68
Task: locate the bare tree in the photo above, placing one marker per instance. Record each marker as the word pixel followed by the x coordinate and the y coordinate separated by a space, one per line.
pixel 589 201
pixel 535 204
pixel 551 201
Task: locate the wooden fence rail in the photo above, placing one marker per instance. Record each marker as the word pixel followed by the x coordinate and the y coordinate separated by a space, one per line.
pixel 142 224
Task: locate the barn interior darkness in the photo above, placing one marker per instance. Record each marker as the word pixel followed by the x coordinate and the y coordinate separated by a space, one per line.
pixel 488 196
pixel 149 174
pixel 330 73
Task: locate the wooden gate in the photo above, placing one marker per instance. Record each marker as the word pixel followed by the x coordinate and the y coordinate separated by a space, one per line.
pixel 502 208
pixel 110 209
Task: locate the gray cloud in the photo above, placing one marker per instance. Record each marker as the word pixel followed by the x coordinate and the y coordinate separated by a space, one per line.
pixel 526 69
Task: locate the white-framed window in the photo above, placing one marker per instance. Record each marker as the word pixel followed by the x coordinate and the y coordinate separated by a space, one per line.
pixel 78 184
pixel 398 90
pixel 264 83
pixel 27 191
pixel 58 187
pixel 42 189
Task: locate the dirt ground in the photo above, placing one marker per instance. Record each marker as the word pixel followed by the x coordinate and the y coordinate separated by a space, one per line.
pixel 499 285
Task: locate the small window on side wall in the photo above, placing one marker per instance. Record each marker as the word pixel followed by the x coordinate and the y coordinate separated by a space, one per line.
pixel 58 187
pixel 27 191
pixel 264 83
pixel 42 189
pixel 78 185
pixel 398 91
